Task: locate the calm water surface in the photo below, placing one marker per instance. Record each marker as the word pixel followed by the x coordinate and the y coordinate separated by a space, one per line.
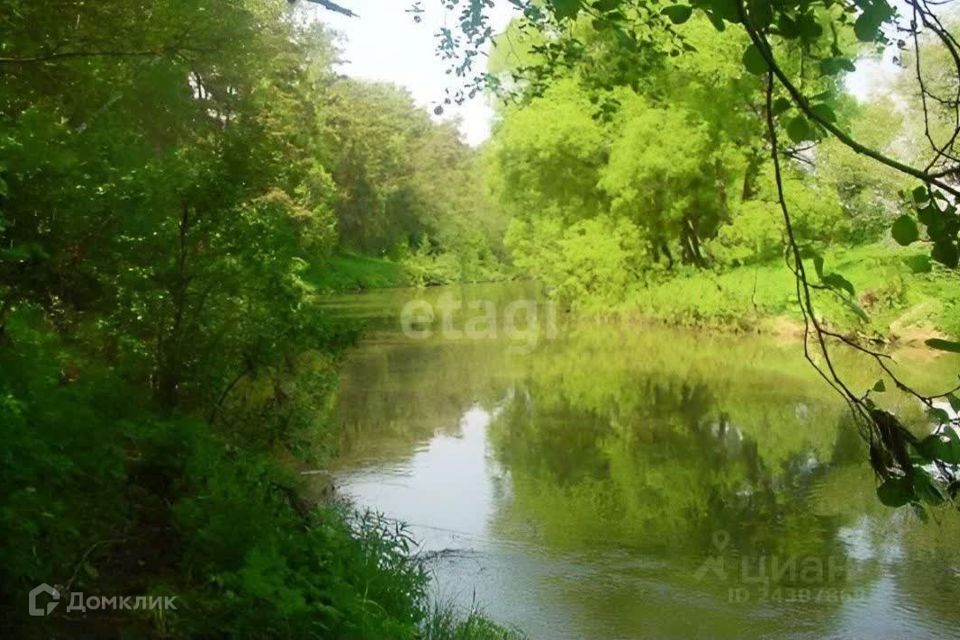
pixel 637 482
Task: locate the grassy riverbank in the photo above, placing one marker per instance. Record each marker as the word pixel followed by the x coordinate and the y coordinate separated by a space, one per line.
pixel 897 302
pixel 347 271
pixel 353 272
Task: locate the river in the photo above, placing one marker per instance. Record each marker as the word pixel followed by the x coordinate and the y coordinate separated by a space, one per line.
pixel 598 481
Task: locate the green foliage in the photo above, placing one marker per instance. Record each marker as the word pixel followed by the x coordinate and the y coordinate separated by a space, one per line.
pixel 591 263
pixel 403 178
pixel 548 156
pixel 173 180
pixel 675 164
pixel 345 271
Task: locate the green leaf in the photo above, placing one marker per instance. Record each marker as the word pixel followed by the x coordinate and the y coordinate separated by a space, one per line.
pixel 921 195
pixel 754 61
pixel 761 13
pixel 943 345
pixel 837 281
pixel 954 402
pixel 833 66
pixel 716 21
pixel 818 265
pixel 868 23
pixel 927 488
pixel 879 386
pixel 941 446
pixel 905 230
pixel 810 29
pixel 919 264
pixel 945 252
pixel 565 8
pixel 823 112
pixel 856 308
pixel 789 29
pixel 678 13
pixel 799 130
pixel 896 492
pixel 781 105
pixel 940 415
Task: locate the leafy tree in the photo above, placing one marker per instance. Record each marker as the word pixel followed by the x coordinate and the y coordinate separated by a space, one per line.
pixel 797 51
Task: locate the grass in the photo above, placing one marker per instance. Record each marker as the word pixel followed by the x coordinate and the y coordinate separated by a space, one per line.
pixel 446 623
pixel 896 301
pixel 353 272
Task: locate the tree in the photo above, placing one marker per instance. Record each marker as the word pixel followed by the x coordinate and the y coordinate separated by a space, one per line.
pixel 796 51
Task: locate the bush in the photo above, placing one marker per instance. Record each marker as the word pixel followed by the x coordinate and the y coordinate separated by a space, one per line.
pixel 106 497
pixel 591 263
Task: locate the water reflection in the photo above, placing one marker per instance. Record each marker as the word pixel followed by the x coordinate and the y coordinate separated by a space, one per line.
pixel 634 482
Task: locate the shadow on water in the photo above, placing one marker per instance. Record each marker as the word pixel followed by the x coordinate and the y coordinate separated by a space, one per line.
pixel 628 482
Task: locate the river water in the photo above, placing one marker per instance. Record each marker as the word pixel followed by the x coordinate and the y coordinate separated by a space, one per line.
pixel 625 481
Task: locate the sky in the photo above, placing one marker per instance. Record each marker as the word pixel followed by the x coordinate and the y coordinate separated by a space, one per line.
pixel 385 44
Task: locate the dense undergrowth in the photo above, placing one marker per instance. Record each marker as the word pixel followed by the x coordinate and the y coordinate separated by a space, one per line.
pixel 106 496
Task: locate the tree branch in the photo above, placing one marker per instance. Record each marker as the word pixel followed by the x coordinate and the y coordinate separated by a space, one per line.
pixel 336 8
pixel 760 41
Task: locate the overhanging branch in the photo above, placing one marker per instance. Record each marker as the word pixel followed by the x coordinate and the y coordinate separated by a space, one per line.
pixel 336 8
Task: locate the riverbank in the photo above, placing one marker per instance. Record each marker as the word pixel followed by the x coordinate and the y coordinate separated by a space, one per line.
pixel 346 271
pixel 897 304
pixel 352 272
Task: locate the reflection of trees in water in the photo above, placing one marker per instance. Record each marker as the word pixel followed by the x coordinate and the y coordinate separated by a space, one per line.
pixel 394 395
pixel 651 442
pixel 661 468
pixel 668 471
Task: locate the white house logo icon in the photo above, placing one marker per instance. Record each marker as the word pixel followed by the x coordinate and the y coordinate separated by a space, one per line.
pixel 35 593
